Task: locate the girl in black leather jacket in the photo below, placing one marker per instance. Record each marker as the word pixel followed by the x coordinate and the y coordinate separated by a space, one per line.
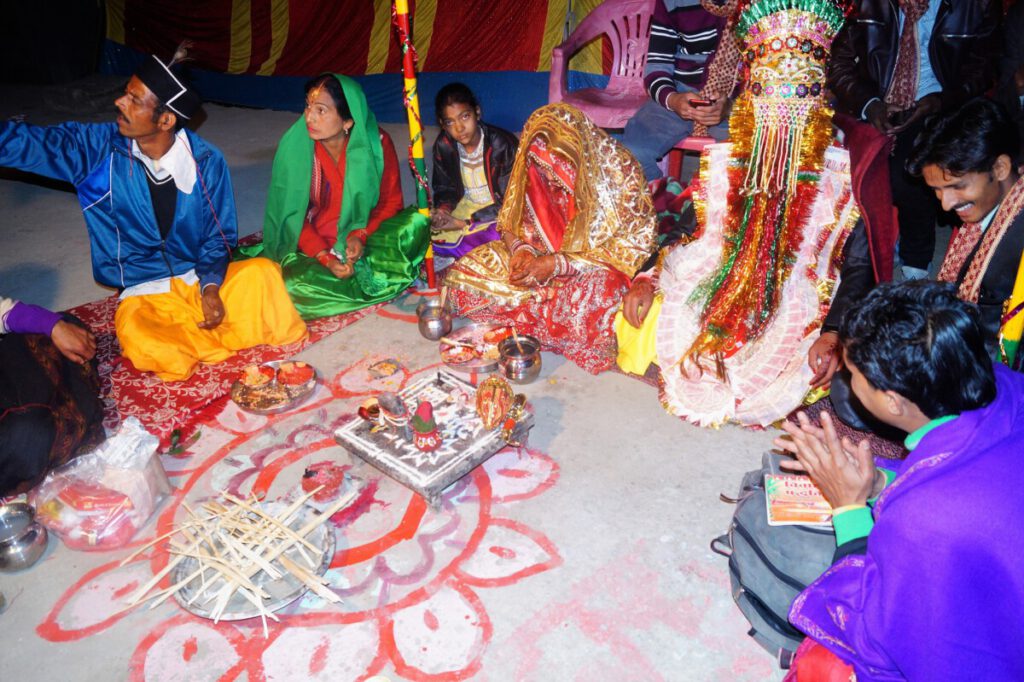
pixel 465 140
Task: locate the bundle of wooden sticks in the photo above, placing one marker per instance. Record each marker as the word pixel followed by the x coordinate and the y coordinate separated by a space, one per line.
pixel 235 546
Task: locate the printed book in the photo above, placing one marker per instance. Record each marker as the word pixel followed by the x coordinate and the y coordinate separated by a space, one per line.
pixel 793 499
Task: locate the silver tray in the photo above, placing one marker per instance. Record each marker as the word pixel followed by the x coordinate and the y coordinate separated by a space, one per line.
pixel 472 331
pixel 296 395
pixel 282 591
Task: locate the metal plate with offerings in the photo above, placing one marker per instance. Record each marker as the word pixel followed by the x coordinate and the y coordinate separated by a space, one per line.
pixel 274 387
pixel 474 348
pixel 199 595
pixel 465 443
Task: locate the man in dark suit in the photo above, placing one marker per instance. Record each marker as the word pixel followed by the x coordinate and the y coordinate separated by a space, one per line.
pixel 969 160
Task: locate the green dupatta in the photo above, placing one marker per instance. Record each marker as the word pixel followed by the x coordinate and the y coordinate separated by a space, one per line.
pixel 288 197
pixel 393 253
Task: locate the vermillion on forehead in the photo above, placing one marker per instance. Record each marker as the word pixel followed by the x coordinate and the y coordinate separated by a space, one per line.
pixel 324 121
pixel 314 95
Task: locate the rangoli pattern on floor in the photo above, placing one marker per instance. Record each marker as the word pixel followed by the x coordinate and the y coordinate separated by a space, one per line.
pixel 411 577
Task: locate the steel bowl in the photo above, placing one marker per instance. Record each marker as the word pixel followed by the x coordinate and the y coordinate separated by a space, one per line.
pixel 434 320
pixel 519 362
pixel 425 303
pixel 22 539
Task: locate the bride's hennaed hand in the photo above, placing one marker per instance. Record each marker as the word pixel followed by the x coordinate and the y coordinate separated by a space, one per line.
pixel 537 272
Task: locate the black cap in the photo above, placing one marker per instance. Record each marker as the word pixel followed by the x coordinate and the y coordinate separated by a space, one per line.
pixel 172 91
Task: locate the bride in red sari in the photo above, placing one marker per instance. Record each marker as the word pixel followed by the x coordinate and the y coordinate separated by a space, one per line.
pixel 577 223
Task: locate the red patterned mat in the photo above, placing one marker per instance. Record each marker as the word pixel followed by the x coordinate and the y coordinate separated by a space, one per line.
pixel 165 406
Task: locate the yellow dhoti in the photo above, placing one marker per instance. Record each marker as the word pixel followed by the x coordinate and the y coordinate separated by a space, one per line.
pixel 160 332
pixel 637 346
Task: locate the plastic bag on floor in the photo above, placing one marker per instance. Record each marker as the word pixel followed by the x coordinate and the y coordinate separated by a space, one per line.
pixel 99 500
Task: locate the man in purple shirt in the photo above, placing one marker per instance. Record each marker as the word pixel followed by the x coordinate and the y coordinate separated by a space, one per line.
pixel 926 582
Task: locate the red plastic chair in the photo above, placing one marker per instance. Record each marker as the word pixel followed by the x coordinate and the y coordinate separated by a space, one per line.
pixel 627 23
pixel 687 144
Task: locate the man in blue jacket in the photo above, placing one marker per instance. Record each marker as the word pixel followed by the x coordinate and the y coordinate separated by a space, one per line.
pixel 160 211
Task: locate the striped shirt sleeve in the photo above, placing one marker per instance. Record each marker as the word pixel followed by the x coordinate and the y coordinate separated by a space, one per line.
pixel 661 60
pixel 682 40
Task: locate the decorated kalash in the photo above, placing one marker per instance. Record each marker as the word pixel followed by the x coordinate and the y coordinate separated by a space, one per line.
pixel 740 304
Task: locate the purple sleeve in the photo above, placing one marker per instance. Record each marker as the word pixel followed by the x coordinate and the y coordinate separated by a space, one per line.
pixel 30 319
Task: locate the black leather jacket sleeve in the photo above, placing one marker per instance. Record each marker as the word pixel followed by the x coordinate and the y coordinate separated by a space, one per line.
pixel 1012 57
pixel 964 56
pixel 856 278
pixel 848 79
pixel 446 181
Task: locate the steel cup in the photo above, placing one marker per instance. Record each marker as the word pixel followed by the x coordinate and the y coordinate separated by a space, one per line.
pixel 22 538
pixel 519 363
pixel 434 320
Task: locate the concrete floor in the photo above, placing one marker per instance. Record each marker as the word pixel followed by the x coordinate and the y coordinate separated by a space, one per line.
pixel 634 594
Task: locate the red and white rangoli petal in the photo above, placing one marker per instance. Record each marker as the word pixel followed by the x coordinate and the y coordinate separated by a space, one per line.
pixel 188 649
pixel 508 552
pixel 444 635
pixel 95 602
pixel 520 473
pixel 322 652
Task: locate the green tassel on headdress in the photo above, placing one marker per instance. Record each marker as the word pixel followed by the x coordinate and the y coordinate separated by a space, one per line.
pixel 832 12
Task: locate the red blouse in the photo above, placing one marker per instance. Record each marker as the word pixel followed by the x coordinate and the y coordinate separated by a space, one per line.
pixel 321 233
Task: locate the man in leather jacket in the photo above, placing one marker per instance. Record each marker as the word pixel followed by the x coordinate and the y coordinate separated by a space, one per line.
pixel 968 159
pixel 954 41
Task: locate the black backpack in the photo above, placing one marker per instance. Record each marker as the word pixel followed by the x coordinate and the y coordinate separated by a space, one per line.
pixel 770 565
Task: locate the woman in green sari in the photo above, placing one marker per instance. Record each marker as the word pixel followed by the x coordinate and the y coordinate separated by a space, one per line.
pixel 334 218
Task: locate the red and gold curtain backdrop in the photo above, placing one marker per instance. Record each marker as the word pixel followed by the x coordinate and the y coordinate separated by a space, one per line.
pixel 305 37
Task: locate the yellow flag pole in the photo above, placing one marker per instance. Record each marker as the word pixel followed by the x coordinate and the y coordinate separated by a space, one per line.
pixel 402 20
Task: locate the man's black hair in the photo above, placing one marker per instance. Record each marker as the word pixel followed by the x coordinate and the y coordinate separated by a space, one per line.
pixel 328 82
pixel 454 93
pixel 968 140
pixel 918 339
